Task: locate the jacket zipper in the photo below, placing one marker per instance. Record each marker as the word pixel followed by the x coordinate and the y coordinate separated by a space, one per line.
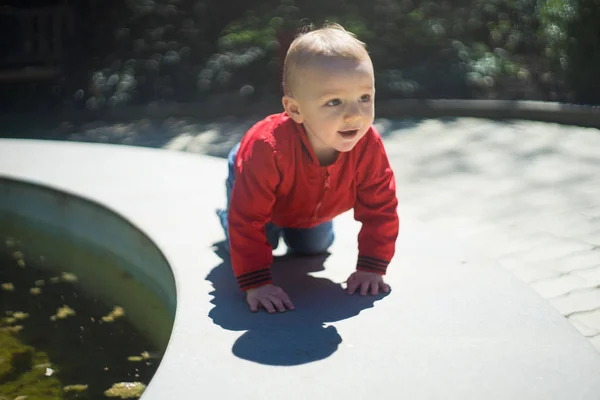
pixel 323 193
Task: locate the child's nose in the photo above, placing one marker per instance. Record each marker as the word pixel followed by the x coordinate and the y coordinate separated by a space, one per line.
pixel 352 112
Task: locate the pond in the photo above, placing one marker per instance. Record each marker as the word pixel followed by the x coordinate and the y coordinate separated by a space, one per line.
pixel 59 338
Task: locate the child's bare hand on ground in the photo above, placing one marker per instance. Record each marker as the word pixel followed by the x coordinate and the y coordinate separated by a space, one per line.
pixel 367 282
pixel 271 297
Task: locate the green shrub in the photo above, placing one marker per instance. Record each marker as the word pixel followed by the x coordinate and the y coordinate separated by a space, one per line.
pixel 420 49
pixel 515 49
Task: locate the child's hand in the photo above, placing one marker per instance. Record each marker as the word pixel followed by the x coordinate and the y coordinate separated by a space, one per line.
pixel 366 281
pixel 269 297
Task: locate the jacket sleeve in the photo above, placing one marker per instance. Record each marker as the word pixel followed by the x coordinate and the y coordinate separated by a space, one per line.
pixel 250 208
pixel 376 207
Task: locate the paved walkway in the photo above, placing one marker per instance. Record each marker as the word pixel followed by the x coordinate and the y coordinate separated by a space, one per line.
pixel 462 328
pixel 526 192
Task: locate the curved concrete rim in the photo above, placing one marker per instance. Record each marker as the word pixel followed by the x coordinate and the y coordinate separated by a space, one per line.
pixel 63 221
pixel 455 325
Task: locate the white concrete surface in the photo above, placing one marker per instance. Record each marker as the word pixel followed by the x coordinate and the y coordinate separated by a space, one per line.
pixel 455 326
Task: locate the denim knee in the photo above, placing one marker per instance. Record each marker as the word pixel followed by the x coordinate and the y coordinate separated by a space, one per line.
pixel 310 241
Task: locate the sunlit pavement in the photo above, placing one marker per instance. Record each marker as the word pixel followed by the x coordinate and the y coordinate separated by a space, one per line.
pixel 528 193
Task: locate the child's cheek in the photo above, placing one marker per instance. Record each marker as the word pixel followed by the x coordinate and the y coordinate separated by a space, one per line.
pixel 335 114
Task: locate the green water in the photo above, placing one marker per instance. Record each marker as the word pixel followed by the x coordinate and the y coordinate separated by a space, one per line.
pixel 46 351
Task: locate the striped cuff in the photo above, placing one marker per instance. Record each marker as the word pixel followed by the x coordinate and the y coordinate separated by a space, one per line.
pixel 371 264
pixel 254 279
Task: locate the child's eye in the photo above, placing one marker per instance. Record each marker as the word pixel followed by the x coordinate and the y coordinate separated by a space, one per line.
pixel 365 98
pixel 333 103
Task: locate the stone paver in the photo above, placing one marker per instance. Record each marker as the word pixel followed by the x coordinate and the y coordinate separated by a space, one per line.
pixel 561 285
pixel 579 302
pixel 591 275
pixel 528 193
pixel 587 331
pixel 589 319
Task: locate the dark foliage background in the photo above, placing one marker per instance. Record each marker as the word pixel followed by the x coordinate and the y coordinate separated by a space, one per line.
pixel 142 51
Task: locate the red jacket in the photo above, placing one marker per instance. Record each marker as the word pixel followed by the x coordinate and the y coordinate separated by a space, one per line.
pixel 278 179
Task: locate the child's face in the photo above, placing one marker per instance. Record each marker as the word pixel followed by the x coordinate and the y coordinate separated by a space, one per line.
pixel 333 98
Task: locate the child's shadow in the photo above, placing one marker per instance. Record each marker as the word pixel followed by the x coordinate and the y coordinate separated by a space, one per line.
pixel 293 337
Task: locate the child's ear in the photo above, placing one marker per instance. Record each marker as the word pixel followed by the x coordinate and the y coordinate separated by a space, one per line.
pixel 292 109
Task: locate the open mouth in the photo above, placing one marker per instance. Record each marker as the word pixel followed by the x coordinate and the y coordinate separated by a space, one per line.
pixel 348 134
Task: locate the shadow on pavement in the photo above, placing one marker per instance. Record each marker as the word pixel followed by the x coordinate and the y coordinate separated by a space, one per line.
pixel 294 337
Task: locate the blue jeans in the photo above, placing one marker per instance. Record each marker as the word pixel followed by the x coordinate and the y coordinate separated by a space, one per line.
pixel 307 241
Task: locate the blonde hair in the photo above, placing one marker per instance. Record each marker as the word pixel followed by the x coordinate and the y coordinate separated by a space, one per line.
pixel 332 40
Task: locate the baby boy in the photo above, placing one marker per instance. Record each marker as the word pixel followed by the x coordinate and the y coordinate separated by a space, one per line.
pixel 294 172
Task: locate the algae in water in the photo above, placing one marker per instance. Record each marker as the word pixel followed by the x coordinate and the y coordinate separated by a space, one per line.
pixel 19 374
